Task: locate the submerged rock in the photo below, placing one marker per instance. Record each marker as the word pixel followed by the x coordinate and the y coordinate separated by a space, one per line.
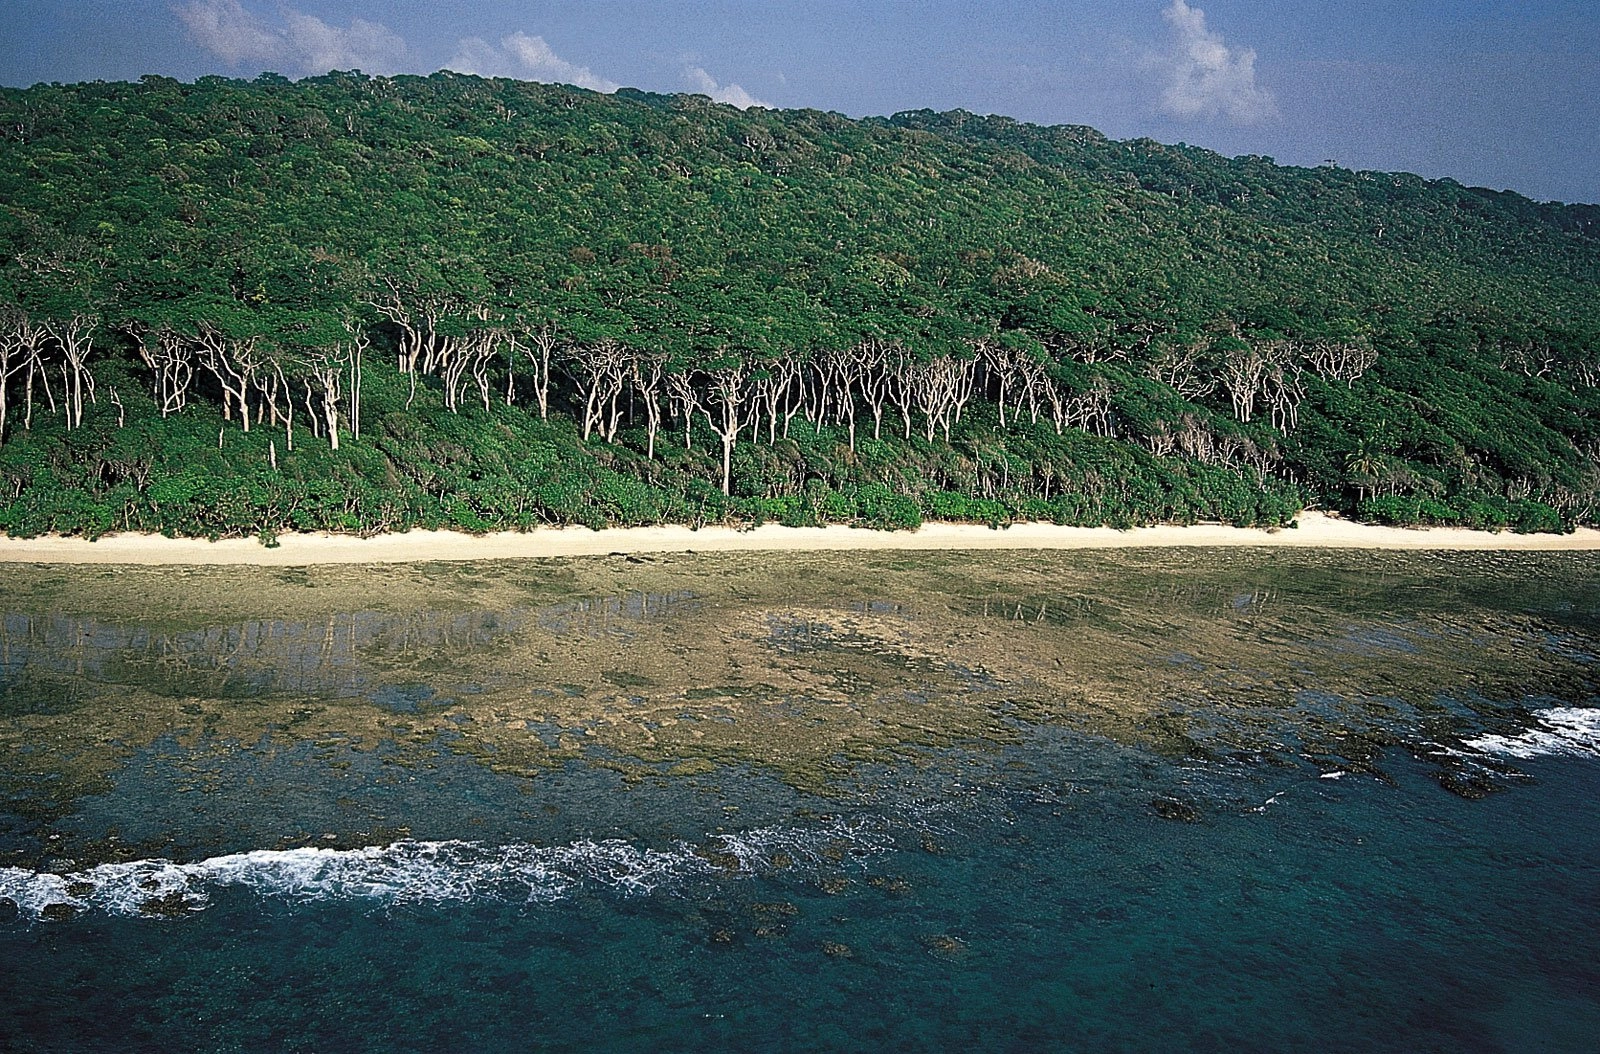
pixel 719 858
pixel 171 906
pixel 1473 786
pixel 776 909
pixel 1173 809
pixel 944 945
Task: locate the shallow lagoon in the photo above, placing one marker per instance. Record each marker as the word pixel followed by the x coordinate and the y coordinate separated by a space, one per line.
pixel 1240 799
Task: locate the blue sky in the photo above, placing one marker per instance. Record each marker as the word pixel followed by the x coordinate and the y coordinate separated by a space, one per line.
pixel 1500 94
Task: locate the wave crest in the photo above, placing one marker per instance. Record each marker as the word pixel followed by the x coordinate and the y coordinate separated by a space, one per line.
pixel 1562 730
pixel 419 872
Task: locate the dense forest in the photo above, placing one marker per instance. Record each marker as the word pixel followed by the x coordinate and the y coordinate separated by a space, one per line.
pixel 360 303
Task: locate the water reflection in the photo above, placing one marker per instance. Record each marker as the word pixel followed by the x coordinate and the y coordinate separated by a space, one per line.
pixel 614 615
pixel 47 660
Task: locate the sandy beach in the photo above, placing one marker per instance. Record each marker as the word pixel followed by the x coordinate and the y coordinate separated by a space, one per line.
pixel 1315 530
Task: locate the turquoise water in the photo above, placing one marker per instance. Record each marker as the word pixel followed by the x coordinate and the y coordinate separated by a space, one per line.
pixel 1039 886
pixel 1036 900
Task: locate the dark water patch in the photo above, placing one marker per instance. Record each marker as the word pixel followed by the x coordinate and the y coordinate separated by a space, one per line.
pixel 1570 646
pixel 406 698
pixel 1376 640
pixel 793 634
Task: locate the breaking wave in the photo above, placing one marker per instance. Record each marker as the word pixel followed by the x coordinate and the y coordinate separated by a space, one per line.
pixel 417 872
pixel 1561 730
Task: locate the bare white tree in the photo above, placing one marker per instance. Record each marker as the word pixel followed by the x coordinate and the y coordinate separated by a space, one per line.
pixel 73 337
pixel 727 392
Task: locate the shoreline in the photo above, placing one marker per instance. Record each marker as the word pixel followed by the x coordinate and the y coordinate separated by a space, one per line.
pixel 1315 531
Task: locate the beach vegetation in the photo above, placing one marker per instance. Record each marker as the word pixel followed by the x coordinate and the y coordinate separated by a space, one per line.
pixel 364 304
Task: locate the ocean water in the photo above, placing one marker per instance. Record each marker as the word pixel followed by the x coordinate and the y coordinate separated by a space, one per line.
pixel 1057 888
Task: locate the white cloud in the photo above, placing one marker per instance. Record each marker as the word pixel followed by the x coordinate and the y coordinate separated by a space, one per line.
pixel 478 57
pixel 297 42
pixel 1202 77
pixel 365 45
pixel 228 31
pixel 544 64
pixel 526 57
pixel 732 94
pixel 302 43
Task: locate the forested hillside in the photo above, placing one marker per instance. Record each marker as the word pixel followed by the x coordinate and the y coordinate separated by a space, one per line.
pixel 361 304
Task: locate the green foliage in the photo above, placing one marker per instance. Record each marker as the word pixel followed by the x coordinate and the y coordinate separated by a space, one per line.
pixel 276 211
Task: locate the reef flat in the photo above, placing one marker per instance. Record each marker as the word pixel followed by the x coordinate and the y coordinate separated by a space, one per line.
pixel 806 667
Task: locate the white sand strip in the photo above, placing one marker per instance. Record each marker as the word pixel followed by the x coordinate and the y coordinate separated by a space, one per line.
pixel 1316 530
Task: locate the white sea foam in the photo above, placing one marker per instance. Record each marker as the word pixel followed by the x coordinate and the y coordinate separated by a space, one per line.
pixel 412 872
pixel 1269 802
pixel 1561 730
